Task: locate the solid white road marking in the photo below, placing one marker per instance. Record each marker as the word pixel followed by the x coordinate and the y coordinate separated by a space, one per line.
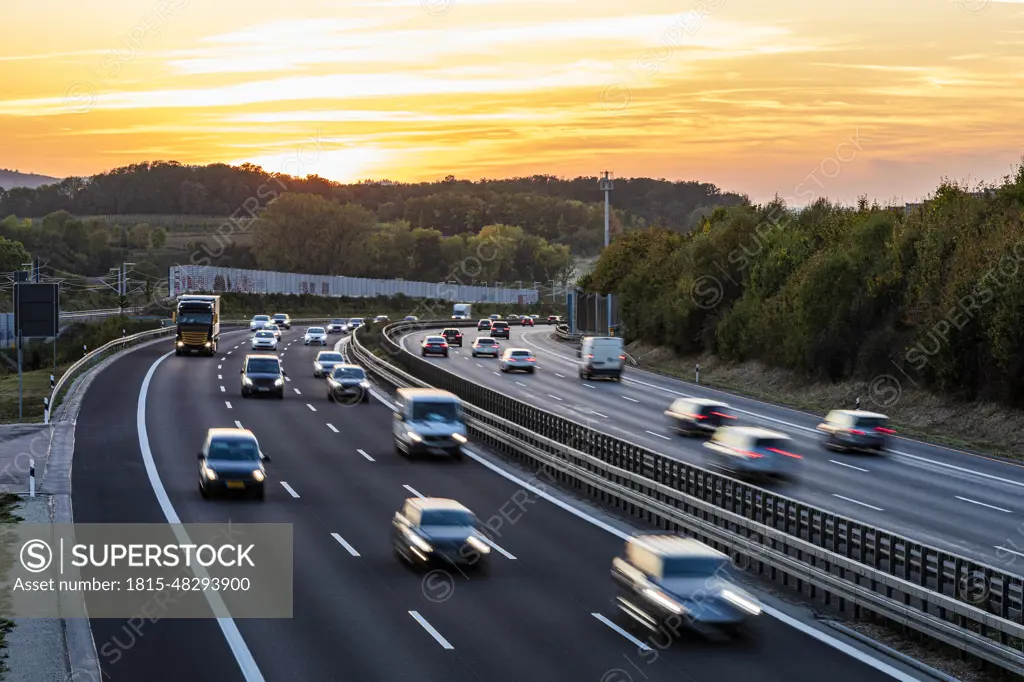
pixel 331 427
pixel 632 400
pixel 310 407
pixel 363 453
pixel 414 491
pixel 289 489
pixel 228 404
pixel 244 658
pixel 341 541
pixel 982 504
pixel 223 390
pixel 238 424
pixel 659 435
pixel 498 549
pixel 1011 551
pixel 555 397
pixel 863 504
pixel 640 645
pixel 430 628
pixel 849 466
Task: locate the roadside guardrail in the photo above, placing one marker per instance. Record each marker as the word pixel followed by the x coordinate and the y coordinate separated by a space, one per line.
pixel 973 607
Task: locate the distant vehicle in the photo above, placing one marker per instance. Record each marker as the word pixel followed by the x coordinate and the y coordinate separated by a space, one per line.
pixel 495 317
pixel 337 326
pixel 430 422
pixel 411 318
pixel 694 416
pixel 198 324
pixel 518 359
pixel 259 322
pixel 315 336
pixel 528 321
pixel 434 345
pixel 855 430
pixel 282 320
pixel 601 356
pixel 500 330
pixel 381 319
pixel 434 530
pixel 663 579
pixel 264 340
pixel 348 382
pixel 513 319
pixel 355 323
pixel 485 345
pixel 325 361
pixel 554 319
pixel 231 461
pixel 535 317
pixel 262 375
pixel 462 311
pixel 271 327
pixel 453 336
pixel 483 325
pixel 754 452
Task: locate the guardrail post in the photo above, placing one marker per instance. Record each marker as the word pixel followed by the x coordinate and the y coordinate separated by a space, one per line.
pixel 31 478
pixel 696 374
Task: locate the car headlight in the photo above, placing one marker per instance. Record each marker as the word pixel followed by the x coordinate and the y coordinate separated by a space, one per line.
pixel 459 438
pixel 279 382
pixel 181 344
pixel 418 542
pixel 364 384
pixel 742 602
pixel 664 600
pixel 258 476
pixel 210 473
pixel 247 381
pixel 414 436
pixel 478 544
pixel 207 344
pixel 318 365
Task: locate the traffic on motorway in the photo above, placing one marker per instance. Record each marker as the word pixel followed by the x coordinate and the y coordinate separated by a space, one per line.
pixel 521 575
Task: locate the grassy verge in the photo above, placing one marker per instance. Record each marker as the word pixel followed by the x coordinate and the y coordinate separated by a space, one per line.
pixel 36 386
pixel 7 503
pixel 978 426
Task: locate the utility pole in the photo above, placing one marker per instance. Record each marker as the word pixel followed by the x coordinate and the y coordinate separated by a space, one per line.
pixel 606 186
pixel 122 285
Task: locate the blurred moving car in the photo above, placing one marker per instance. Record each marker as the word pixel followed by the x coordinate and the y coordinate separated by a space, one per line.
pixel 337 326
pixel 554 319
pixel 231 460
pixel 753 451
pixel 264 340
pixel 411 318
pixel 452 336
pixel 695 416
pixel 513 319
pixel 483 325
pixel 518 359
pixel 381 319
pixel 485 345
pixel 500 330
pixel 602 356
pixel 315 336
pixel 259 322
pixel 262 374
pixel 665 581
pixel 428 421
pixel 348 383
pixel 495 317
pixel 271 327
pixel 355 323
pixel 325 361
pixel 434 345
pixel 436 530
pixel 855 430
pixel 282 320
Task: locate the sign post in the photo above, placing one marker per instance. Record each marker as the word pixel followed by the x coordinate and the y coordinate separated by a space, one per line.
pixel 36 316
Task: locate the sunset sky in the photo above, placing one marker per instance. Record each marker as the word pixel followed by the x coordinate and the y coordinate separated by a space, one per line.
pixel 872 97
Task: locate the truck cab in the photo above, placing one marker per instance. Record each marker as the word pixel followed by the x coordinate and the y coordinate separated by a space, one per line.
pixel 197 319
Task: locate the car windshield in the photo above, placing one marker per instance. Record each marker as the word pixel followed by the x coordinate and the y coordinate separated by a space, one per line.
pixel 316 330
pixel 773 444
pixel 349 373
pixel 261 318
pixel 439 411
pixel 447 517
pixel 233 450
pixel 435 339
pixel 520 353
pixel 870 422
pixel 451 332
pixel 486 342
pixel 337 321
pixel 263 366
pixel 329 357
pixel 691 567
pixel 264 335
pixel 187 317
pixel 280 316
pixel 500 325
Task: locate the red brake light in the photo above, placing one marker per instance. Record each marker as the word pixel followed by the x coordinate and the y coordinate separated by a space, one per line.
pixel 884 430
pixel 696 416
pixel 622 357
pixel 748 453
pixel 723 416
pixel 532 359
pixel 783 452
pixel 590 357
pixel 856 432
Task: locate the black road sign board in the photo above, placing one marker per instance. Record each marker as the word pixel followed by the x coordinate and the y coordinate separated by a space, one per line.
pixel 36 310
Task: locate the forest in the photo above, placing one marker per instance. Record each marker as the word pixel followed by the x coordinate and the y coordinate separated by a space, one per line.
pixel 933 294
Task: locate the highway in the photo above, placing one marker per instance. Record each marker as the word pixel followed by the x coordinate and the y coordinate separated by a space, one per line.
pixel 968 504
pixel 544 612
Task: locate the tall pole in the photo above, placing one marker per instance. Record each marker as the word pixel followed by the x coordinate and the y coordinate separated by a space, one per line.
pixel 607 186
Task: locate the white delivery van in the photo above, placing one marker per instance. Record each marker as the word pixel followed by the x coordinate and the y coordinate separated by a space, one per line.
pixel 601 356
pixel 461 311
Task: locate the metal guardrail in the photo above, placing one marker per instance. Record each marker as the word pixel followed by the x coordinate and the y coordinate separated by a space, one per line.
pixel 966 604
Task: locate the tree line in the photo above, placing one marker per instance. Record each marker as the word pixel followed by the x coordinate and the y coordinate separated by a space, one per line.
pixel 932 295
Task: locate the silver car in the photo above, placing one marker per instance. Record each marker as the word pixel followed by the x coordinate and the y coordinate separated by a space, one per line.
pixel 315 336
pixel 273 328
pixel 518 359
pixel 756 452
pixel 325 362
pixel 855 430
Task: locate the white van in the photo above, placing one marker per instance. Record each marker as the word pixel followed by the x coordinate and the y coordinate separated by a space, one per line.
pixel 602 356
pixel 429 422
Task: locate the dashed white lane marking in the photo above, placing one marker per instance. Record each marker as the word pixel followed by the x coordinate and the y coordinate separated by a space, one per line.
pixel 495 374
pixel 223 390
pixel 222 360
pixel 599 414
pixel 632 400
pixel 520 383
pixel 555 397
pixel 590 386
pixel 219 366
pixel 640 645
pixel 220 378
pixel 560 376
pixel 363 453
pixel 659 435
pixel 297 391
pixel 238 424
pixel 287 378
pixel 228 404
pixel 848 466
pixel 414 491
pixel 479 365
pixel 289 489
pixel 863 504
pixel 982 504
pixel 230 352
pixel 430 628
pixel 311 407
pixel 331 427
pixel 341 541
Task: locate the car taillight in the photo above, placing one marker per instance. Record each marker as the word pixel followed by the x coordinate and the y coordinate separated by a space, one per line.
pixel 723 416
pixel 748 453
pixel 622 357
pixel 783 452
pixel 590 357
pixel 532 359
pixel 696 416
pixel 856 432
pixel 881 429
pixel 443 345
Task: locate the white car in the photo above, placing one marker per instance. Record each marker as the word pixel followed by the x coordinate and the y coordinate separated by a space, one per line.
pixel 264 340
pixel 259 322
pixel 754 452
pixel 518 359
pixel 274 329
pixel 316 336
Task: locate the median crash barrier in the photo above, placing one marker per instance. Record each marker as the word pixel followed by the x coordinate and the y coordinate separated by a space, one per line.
pixel 961 602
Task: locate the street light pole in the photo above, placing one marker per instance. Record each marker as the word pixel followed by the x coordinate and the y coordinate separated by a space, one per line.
pixel 606 186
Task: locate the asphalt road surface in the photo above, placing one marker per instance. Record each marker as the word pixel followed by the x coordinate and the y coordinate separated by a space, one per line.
pixel 543 613
pixel 966 503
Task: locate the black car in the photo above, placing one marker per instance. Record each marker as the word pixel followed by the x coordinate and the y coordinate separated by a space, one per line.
pixel 262 375
pixel 434 530
pixel 434 345
pixel 500 330
pixel 855 430
pixel 483 325
pixel 282 320
pixel 231 461
pixel 348 384
pixel 453 336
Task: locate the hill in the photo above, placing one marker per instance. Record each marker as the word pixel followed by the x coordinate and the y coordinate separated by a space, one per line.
pixel 9 179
